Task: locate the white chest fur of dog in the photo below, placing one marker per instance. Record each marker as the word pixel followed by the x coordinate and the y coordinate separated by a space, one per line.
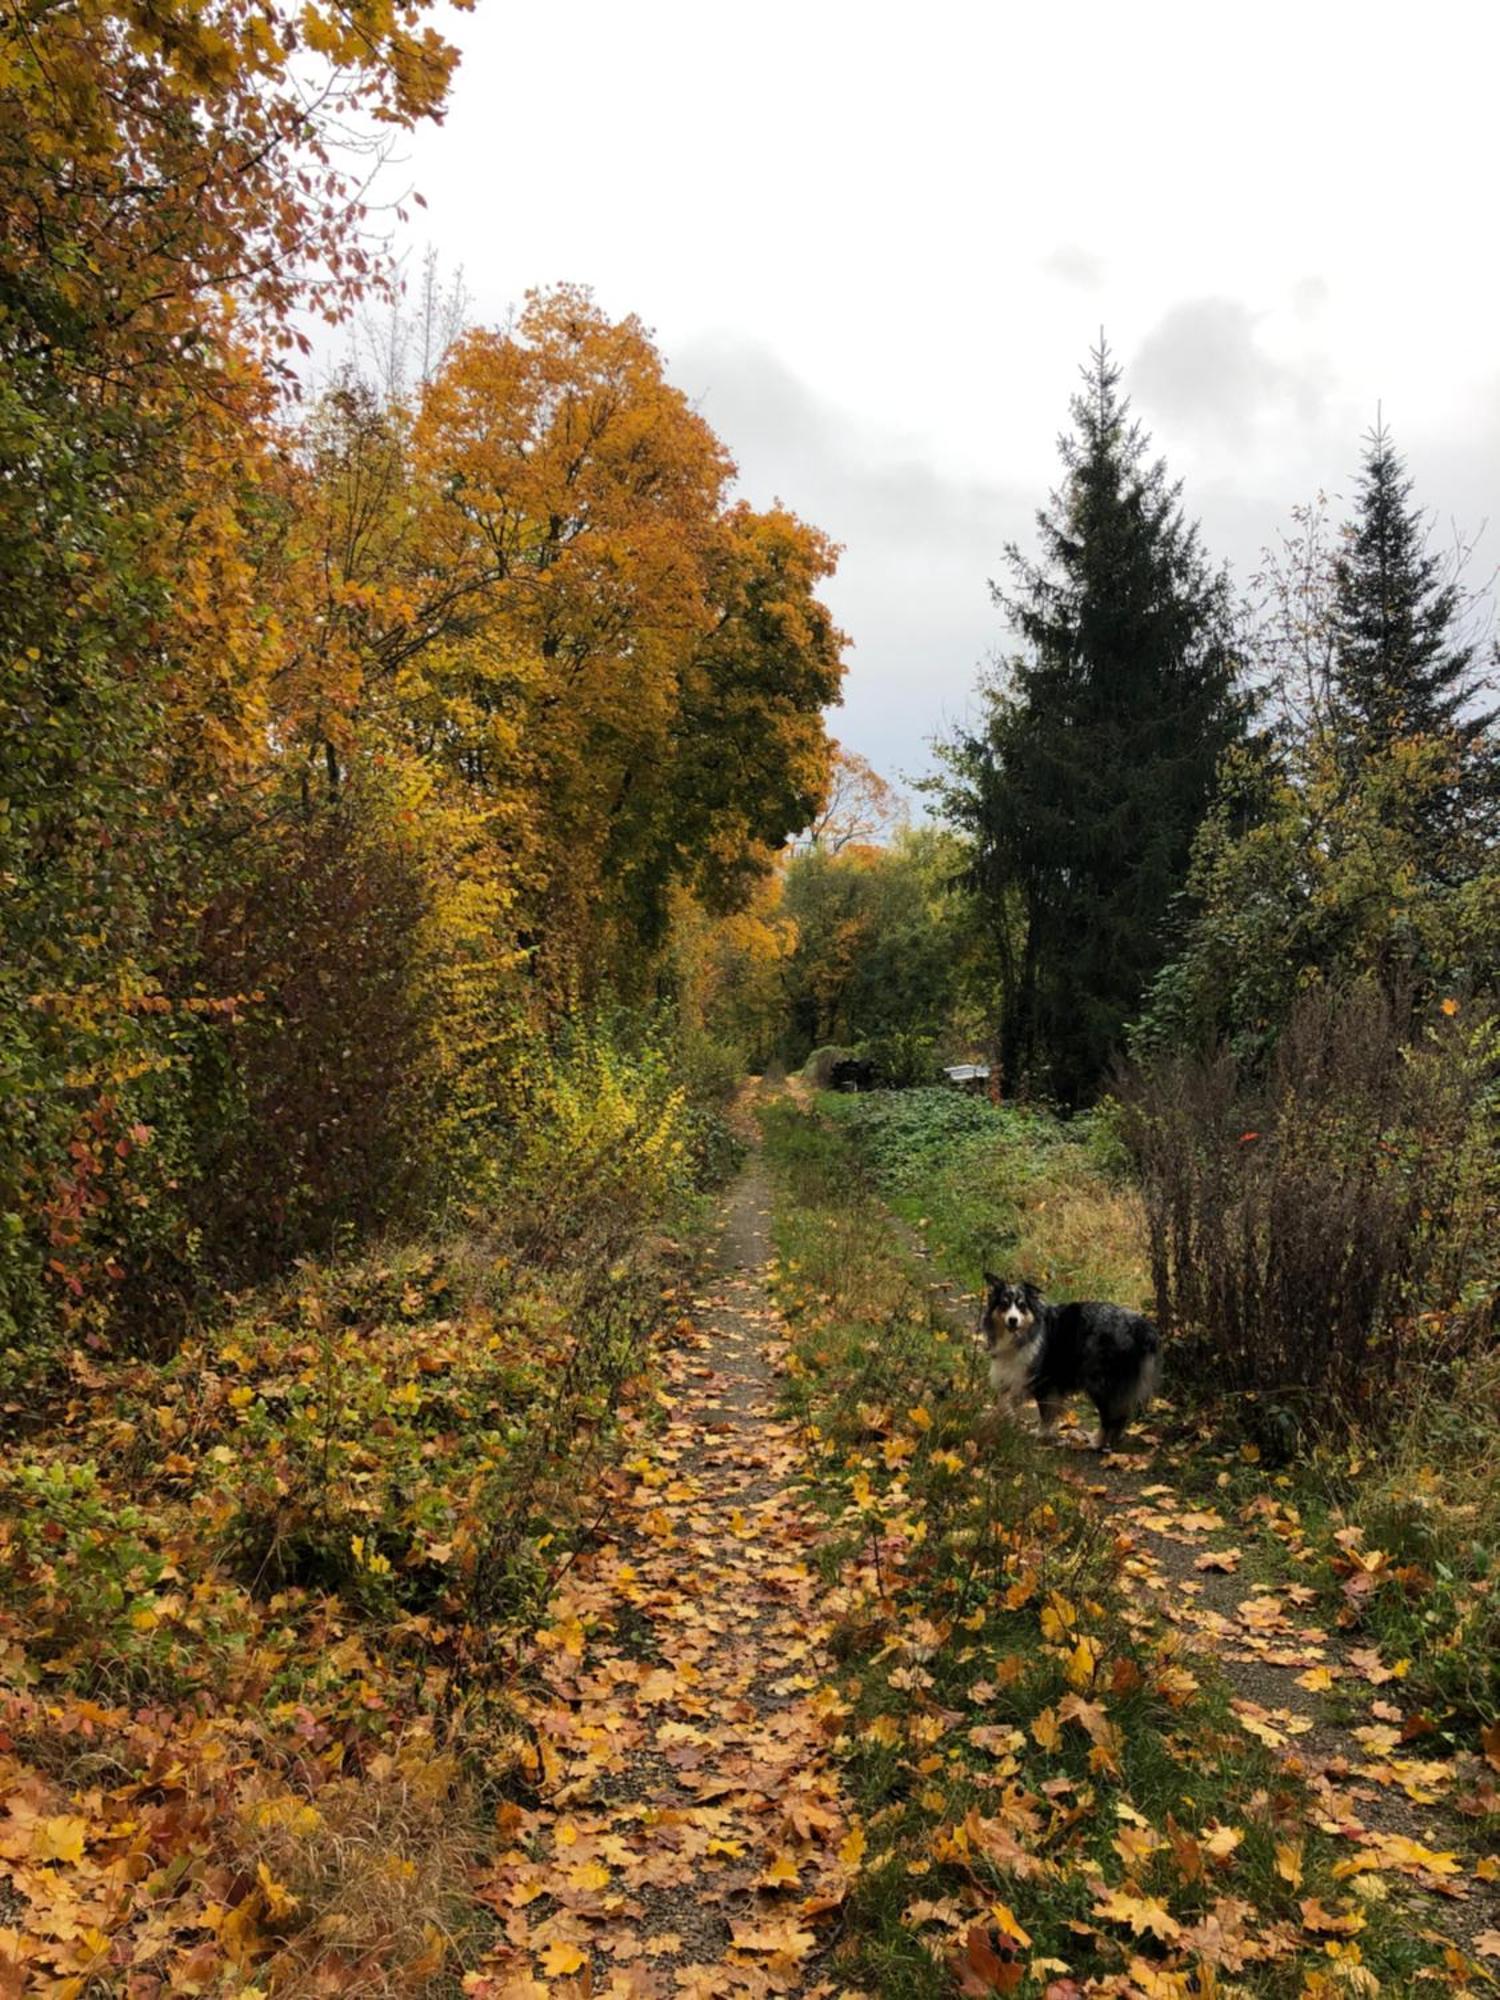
pixel 1011 1368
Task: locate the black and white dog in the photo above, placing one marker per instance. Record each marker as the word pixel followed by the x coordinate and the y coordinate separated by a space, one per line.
pixel 1049 1352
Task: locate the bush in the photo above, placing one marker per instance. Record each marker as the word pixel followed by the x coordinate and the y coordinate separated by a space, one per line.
pixel 904 1059
pixel 600 1144
pixel 820 1065
pixel 1298 1226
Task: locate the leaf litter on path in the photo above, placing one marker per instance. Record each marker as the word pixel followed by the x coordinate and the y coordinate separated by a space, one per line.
pixel 685 1837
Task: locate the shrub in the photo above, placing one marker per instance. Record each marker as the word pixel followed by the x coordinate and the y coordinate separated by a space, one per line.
pixel 820 1065
pixel 903 1059
pixel 314 1117
pixel 599 1143
pixel 1298 1224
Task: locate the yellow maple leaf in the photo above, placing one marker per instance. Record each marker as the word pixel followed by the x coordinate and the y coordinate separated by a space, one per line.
pixel 560 1958
pixel 1058 1617
pixel 567 1636
pixel 1045 1729
pixel 852 1847
pixel 589 1875
pixel 1021 1591
pixel 1289 1862
pixel 1004 1918
pixel 781 1874
pixel 280 1902
pixel 58 1839
pixel 1142 1913
pixel 1395 1850
pixel 1082 1662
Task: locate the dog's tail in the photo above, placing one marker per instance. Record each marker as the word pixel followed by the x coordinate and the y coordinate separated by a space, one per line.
pixel 1149 1379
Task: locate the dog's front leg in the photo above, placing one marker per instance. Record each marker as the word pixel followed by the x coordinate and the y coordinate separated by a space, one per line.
pixel 1048 1410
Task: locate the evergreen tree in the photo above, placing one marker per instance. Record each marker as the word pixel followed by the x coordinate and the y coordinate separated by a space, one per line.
pixel 1402 668
pixel 1096 764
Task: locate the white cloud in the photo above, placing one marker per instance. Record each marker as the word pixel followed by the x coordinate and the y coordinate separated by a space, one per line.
pixel 1204 369
pixel 1075 266
pixel 911 232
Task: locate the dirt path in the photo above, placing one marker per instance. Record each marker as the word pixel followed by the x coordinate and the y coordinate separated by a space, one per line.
pixel 686 1837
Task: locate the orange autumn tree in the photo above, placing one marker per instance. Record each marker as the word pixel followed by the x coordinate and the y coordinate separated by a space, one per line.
pixel 645 665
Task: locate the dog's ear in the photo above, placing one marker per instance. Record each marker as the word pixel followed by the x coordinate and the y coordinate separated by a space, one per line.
pixel 993 1284
pixel 1033 1294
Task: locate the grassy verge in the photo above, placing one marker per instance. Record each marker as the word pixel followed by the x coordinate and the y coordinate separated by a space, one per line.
pixel 1400 1536
pixel 1048 1792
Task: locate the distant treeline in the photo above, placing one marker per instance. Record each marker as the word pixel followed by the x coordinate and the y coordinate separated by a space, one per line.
pixel 1179 810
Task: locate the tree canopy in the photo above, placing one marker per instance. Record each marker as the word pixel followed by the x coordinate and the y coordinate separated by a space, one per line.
pixel 1095 764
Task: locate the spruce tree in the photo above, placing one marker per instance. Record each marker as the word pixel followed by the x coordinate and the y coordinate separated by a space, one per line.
pixel 1403 671
pixel 1097 762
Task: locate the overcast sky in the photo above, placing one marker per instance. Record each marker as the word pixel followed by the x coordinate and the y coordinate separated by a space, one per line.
pixel 875 244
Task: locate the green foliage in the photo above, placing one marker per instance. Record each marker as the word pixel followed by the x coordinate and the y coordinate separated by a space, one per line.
pixel 1299 879
pixel 1403 672
pixel 886 945
pixel 903 1058
pixel 1095 764
pixel 1357 836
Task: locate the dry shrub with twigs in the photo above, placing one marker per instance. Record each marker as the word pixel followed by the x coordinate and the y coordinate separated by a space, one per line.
pixel 1302 1223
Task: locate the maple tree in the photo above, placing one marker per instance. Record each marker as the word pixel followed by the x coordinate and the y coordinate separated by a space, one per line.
pixel 649 663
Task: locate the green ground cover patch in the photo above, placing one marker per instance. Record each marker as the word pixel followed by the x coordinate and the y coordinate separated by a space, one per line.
pixel 1003 1187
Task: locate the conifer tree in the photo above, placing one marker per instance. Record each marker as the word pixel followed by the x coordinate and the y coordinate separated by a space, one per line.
pixel 1096 765
pixel 1403 670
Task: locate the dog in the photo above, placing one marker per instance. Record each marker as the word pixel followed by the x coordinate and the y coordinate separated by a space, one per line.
pixel 1048 1352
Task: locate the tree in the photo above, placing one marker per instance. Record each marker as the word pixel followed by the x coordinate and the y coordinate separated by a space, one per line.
pixel 1354 839
pixel 1096 763
pixel 861 805
pixel 649 665
pixel 1403 670
pixel 175 182
pixel 886 945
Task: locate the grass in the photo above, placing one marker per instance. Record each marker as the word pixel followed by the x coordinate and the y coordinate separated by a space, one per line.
pixel 1015 1189
pixel 1003 1188
pixel 1039 1774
